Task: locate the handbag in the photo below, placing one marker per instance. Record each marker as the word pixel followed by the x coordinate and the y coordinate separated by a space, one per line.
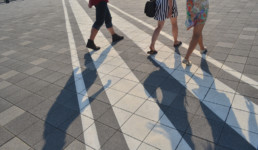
pixel 150 8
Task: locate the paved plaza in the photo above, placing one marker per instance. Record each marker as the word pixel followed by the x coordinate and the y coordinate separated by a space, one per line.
pixel 57 94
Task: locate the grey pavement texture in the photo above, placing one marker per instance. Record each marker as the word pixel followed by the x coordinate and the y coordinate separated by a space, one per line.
pixel 136 101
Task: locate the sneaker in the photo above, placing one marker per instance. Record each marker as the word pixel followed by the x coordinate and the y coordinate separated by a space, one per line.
pixel 187 62
pixel 204 51
pixel 92 45
pixel 116 38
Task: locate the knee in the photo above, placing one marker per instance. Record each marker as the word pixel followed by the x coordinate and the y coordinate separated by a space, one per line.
pixel 98 24
pixel 159 27
pixel 108 22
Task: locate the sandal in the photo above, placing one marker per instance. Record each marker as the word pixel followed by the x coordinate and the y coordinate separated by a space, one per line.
pixel 187 62
pixel 204 51
pixel 152 52
pixel 178 44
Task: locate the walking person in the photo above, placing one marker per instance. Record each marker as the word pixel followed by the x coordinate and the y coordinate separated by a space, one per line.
pixel 102 15
pixel 197 12
pixel 165 9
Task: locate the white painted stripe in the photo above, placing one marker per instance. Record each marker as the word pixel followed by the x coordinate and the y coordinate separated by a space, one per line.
pixel 209 59
pixel 83 100
pixel 194 87
pixel 84 22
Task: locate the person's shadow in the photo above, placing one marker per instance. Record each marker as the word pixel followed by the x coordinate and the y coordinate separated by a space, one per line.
pixel 166 94
pixel 180 111
pixel 68 106
pixel 222 133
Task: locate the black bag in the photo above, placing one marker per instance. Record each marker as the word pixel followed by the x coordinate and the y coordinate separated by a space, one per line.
pixel 150 8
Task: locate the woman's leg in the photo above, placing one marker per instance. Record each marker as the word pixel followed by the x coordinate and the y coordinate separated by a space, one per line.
pixel 174 29
pixel 201 42
pixel 197 32
pixel 156 34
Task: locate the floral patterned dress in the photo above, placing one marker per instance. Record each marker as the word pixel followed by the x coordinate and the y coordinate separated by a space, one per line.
pixel 196 12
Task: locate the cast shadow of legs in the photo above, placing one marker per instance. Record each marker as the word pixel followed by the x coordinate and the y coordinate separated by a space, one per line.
pixel 180 110
pixel 66 110
pixel 168 93
pixel 215 112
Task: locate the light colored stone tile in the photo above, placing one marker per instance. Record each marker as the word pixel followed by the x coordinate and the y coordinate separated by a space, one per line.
pixel 246 37
pixel 181 76
pixel 4 84
pixel 8 74
pixel 4 38
pixel 163 137
pixel 198 91
pixel 130 103
pixel 120 72
pixel 131 77
pixel 202 80
pixel 218 97
pixel 132 143
pixel 91 137
pixel 144 146
pixel 38 61
pixel 138 127
pixel 165 121
pixel 109 78
pixel 220 110
pixel 140 91
pixel 236 59
pixel 114 96
pixel 47 47
pixel 8 53
pixel 183 145
pixel 218 85
pixel 124 85
pixel 250 29
pixel 76 145
pixel 249 80
pixel 243 120
pixel 105 68
pixel 150 110
pixel 243 103
pixel 25 43
pixel 33 70
pixel 224 44
pixel 115 62
pixel 3 59
pixel 62 50
pixel 15 144
pixel 10 114
pixel 121 115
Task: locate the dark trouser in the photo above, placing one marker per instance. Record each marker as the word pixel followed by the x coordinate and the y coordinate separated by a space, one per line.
pixel 102 15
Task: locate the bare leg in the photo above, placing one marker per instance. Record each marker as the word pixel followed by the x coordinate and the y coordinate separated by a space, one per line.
pixel 174 29
pixel 156 34
pixel 197 31
pixel 111 30
pixel 93 33
pixel 201 43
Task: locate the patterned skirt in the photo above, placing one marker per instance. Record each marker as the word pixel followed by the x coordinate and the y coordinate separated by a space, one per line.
pixel 162 9
pixel 196 12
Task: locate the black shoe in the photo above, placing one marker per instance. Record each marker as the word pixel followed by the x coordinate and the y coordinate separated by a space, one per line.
pixel 92 45
pixel 116 38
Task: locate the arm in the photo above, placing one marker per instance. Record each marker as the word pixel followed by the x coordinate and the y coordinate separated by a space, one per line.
pixel 90 3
